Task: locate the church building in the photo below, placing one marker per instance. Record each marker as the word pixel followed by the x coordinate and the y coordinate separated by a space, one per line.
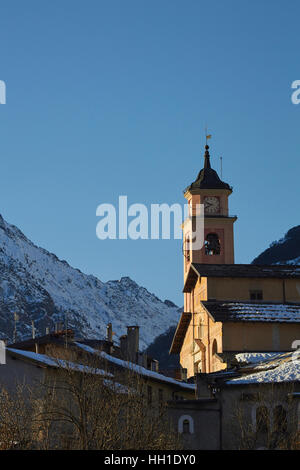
pixel 229 308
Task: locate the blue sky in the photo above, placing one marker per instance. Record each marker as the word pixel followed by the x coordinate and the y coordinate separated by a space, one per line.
pixel 109 98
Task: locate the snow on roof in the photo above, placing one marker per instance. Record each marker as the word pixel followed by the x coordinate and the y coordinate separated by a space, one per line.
pixel 295 261
pixel 46 360
pixel 254 357
pixel 284 367
pixel 54 362
pixel 249 311
pixel 135 367
pixel 247 270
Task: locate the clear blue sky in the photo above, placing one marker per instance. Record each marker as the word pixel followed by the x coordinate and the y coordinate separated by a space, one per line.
pixel 109 98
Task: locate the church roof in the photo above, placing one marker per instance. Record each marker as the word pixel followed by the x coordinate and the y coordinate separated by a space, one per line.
pixel 248 270
pixel 207 177
pixel 180 333
pixel 226 311
pixel 277 271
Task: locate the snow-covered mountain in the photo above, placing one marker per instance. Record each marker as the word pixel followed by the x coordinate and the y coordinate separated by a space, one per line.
pixel 284 251
pixel 38 286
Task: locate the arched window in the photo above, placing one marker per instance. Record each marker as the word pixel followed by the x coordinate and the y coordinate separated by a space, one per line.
pixel 262 419
pixel 279 419
pixel 214 347
pixel 186 424
pixel 200 329
pixel 212 244
pixel 186 427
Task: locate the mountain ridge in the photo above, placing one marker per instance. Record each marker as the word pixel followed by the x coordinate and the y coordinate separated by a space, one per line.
pixel 283 251
pixel 38 286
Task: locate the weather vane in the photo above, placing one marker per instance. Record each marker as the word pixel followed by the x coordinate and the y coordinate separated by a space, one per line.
pixel 207 136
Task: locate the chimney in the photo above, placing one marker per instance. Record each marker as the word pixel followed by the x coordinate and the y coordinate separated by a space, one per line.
pixel 183 374
pixel 109 332
pixel 132 342
pixel 142 359
pixel 123 347
pixel 202 386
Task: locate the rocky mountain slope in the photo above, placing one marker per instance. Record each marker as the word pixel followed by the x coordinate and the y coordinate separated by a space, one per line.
pixel 38 286
pixel 284 251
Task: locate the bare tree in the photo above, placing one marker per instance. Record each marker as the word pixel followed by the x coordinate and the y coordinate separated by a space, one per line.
pixel 84 406
pixel 17 429
pixel 266 418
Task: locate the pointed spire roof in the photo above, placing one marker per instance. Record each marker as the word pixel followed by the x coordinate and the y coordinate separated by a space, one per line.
pixel 207 177
pixel 206 157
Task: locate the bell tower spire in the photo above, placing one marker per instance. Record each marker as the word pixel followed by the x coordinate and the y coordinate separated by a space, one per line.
pixel 208 189
pixel 207 157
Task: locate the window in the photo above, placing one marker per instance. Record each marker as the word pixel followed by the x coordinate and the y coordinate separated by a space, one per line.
pixel 200 328
pixel 262 419
pixel 212 244
pixel 280 419
pixel 249 396
pixel 186 424
pixel 256 295
pixel 187 249
pixel 149 390
pixel 186 427
pixel 160 396
pixel 214 347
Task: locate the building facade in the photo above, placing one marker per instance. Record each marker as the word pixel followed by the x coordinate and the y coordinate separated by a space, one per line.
pixel 229 307
pixel 256 405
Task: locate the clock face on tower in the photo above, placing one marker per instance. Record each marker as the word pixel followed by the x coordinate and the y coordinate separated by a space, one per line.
pixel 211 205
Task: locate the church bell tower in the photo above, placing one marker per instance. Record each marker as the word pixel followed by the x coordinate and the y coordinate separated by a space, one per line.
pixel 208 189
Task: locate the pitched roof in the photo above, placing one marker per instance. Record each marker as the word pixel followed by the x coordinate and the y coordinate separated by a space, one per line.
pixel 277 271
pixel 47 361
pixel 247 270
pixel 284 367
pixel 253 312
pixel 207 177
pixel 279 368
pixel 180 333
pixel 136 368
